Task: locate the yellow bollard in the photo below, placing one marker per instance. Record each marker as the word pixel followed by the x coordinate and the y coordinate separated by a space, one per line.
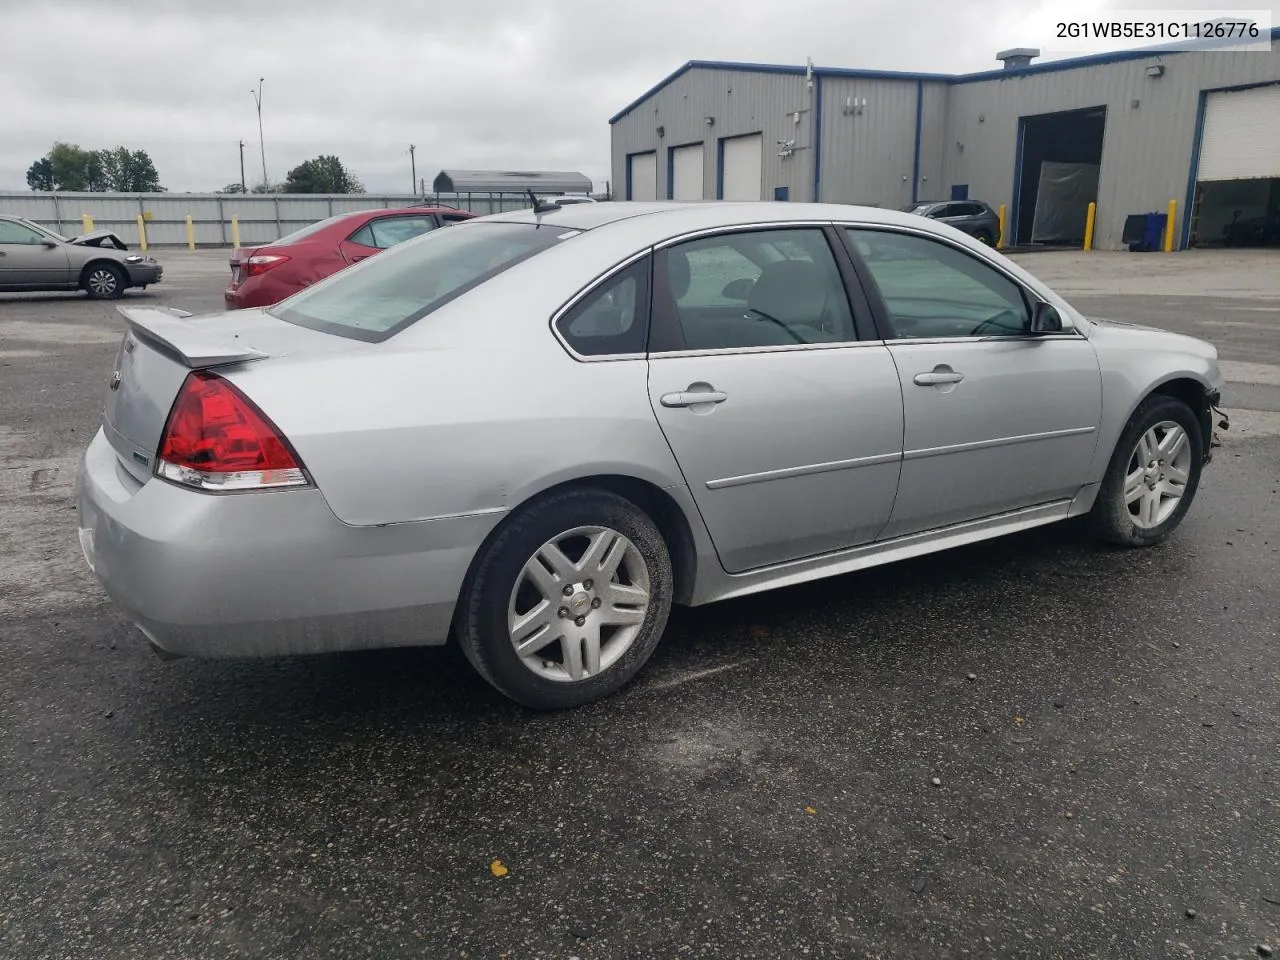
pixel 235 231
pixel 1169 228
pixel 1088 225
pixel 142 233
pixel 1000 239
pixel 86 222
pixel 191 233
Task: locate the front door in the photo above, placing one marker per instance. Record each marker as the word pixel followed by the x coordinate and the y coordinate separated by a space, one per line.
pixel 996 419
pixel 30 258
pixel 788 429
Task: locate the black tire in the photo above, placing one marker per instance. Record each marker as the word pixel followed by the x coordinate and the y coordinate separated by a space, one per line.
pixel 482 628
pixel 1110 519
pixel 982 236
pixel 104 281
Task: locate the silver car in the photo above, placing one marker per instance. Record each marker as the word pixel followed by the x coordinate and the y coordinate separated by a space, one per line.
pixel 33 257
pixel 535 432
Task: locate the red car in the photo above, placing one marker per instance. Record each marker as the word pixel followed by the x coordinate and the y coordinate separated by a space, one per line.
pixel 261 276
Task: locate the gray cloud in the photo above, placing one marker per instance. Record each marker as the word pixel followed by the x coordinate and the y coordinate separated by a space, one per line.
pixel 481 83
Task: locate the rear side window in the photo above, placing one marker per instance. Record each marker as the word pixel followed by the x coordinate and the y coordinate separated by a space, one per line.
pixel 613 318
pixel 389 231
pixel 382 295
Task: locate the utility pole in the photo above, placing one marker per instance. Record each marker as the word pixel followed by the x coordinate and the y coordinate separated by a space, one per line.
pixel 244 187
pixel 413 168
pixel 257 99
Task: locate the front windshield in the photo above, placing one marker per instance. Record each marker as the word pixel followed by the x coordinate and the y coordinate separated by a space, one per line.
pixel 386 293
pixel 917 208
pixel 35 226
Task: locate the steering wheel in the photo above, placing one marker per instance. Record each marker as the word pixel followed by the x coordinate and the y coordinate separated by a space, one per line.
pixel 1011 320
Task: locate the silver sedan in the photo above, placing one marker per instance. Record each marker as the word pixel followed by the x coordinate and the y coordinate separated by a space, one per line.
pixel 535 432
pixel 33 257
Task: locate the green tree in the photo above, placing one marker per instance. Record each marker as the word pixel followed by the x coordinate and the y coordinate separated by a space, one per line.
pixel 40 175
pixel 68 166
pixel 129 171
pixel 73 168
pixel 233 188
pixel 324 174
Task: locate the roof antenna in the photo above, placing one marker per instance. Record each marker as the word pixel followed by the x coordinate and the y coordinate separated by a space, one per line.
pixel 539 207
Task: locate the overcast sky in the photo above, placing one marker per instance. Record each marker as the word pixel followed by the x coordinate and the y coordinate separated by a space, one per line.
pixel 473 83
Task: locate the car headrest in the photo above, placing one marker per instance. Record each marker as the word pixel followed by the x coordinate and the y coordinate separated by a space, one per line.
pixel 793 291
pixel 678 274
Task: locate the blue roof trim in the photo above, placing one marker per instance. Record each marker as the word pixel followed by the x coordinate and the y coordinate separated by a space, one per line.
pixel 1053 66
pixel 1097 59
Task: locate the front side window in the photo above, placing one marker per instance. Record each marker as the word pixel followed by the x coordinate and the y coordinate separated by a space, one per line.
pixel 11 232
pixel 931 289
pixel 382 295
pixel 613 318
pixel 751 289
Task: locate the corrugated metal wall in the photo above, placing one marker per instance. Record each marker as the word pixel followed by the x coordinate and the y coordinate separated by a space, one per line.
pixel 969 129
pixel 741 102
pixel 869 148
pixel 1146 150
pixel 261 218
pixel 933 142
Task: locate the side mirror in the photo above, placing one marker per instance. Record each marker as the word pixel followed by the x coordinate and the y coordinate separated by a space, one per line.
pixel 1046 319
pixel 739 289
pixel 48 244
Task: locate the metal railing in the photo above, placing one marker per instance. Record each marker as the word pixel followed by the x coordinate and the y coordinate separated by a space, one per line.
pixel 206 219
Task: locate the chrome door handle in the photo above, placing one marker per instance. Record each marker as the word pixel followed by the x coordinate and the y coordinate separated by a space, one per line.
pixel 689 398
pixel 936 377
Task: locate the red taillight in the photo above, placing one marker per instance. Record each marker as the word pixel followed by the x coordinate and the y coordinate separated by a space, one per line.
pixel 256 266
pixel 216 439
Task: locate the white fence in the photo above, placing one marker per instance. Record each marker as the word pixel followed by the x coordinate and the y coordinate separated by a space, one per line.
pixel 261 217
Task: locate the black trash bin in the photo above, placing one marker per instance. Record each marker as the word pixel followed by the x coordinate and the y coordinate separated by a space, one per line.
pixel 1144 231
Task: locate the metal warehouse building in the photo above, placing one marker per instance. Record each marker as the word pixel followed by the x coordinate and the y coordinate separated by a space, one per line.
pixel 1130 131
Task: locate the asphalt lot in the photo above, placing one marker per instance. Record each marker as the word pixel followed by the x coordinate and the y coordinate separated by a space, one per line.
pixel 764 791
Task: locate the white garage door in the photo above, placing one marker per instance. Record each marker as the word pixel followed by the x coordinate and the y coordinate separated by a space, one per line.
pixel 742 172
pixel 644 176
pixel 686 172
pixel 1241 139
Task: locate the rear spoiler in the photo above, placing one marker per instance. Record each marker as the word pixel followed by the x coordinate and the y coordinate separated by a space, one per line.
pixel 194 346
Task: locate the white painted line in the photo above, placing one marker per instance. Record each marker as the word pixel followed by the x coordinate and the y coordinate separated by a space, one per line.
pixel 1239 371
pixel 695 675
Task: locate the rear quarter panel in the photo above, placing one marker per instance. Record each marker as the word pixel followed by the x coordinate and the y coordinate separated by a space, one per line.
pixel 475 408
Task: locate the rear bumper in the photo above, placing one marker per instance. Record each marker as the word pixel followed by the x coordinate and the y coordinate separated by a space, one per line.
pixel 260 291
pixel 265 574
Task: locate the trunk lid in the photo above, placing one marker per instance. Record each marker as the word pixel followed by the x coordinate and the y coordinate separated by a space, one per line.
pixel 162 346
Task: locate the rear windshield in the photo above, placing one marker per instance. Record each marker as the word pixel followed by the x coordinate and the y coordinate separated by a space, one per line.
pixel 308 230
pixel 386 293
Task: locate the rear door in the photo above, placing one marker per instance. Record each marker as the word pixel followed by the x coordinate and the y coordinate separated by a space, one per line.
pixel 996 418
pixel 29 258
pixel 787 426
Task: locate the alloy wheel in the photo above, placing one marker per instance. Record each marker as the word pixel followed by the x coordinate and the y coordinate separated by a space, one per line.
pixel 1157 474
pixel 102 282
pixel 578 604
